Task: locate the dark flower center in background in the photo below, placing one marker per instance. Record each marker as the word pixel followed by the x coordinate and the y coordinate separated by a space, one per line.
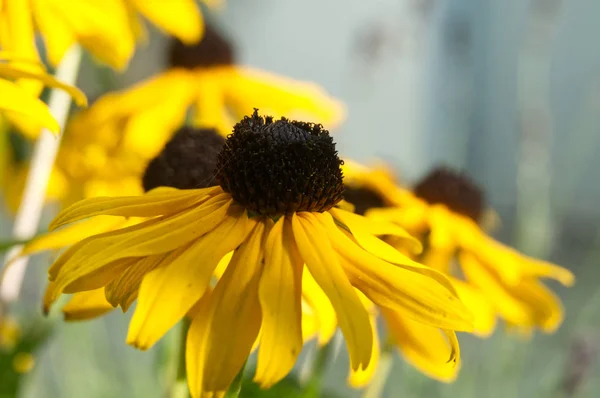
pixel 276 167
pixel 188 160
pixel 455 190
pixel 212 50
pixel 363 199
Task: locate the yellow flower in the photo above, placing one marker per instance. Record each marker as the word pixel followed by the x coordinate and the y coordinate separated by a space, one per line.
pixel 272 218
pixel 444 209
pixel 203 81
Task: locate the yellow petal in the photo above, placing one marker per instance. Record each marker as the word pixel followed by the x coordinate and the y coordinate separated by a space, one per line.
pixel 103 28
pixel 20 35
pixel 149 205
pixel 182 18
pixel 195 346
pixel 210 109
pixel 221 340
pixel 86 305
pixel 425 347
pixel 319 303
pixel 363 229
pixel 484 316
pixel 425 295
pixel 123 290
pixel 362 377
pixel 15 99
pixel 544 306
pixel 71 234
pixel 442 224
pixel 169 292
pixel 495 290
pixel 324 265
pixel 279 96
pixel 97 254
pixel 148 129
pixel 18 71
pixel 507 262
pixel 280 293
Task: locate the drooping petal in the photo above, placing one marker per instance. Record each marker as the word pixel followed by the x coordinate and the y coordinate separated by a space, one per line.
pixel 71 234
pixel 222 337
pixel 320 305
pixel 495 290
pixel 182 18
pixel 149 205
pixel 169 292
pixel 324 265
pixel 509 263
pixel 545 308
pixel 123 290
pixel 362 377
pixel 363 229
pixel 195 346
pixel 426 296
pixel 384 251
pixel 484 315
pixel 18 71
pixel 151 237
pixel 86 305
pixel 425 347
pixel 280 292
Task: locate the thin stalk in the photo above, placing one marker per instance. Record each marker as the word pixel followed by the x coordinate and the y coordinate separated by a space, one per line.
pixel 42 162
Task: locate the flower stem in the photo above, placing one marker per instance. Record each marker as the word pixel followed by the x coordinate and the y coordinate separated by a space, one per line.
pixel 42 162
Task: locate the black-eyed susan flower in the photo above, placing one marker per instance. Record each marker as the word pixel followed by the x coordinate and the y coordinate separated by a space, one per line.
pixel 444 209
pixel 205 85
pixel 273 214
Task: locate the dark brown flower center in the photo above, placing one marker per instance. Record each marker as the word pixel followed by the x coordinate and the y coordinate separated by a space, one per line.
pixel 455 190
pixel 187 161
pixel 212 50
pixel 281 166
pixel 363 199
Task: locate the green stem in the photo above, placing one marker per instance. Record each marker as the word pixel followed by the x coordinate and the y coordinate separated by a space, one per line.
pixel 236 386
pixel 314 384
pixel 180 388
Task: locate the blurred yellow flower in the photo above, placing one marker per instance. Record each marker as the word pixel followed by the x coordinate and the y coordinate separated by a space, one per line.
pixel 278 234
pixel 108 29
pixel 444 210
pixel 205 84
